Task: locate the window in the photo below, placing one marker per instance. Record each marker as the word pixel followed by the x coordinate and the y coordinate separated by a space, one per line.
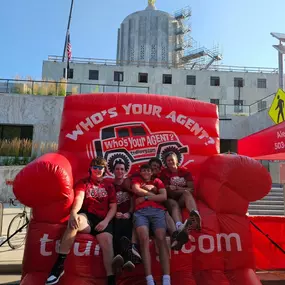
pixel 69 73
pixel 215 81
pixel 11 132
pixel 167 79
pixel 262 105
pixel 123 133
pixel 238 106
pixel 108 133
pixel 261 83
pixel 215 101
pixel 138 131
pixel 143 77
pixel 118 76
pixel 93 74
pixel 238 82
pixel 191 80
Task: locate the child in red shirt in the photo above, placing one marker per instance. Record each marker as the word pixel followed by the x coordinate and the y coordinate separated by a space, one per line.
pixel 149 212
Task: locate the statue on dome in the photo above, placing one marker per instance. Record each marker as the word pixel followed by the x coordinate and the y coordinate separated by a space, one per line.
pixel 151 2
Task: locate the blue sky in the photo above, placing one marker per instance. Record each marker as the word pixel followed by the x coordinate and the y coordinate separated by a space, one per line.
pixel 33 29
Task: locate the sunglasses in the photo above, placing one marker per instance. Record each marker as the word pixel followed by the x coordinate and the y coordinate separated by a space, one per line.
pixel 95 167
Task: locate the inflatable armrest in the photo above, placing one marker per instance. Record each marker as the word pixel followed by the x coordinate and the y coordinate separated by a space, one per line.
pixel 46 186
pixel 227 183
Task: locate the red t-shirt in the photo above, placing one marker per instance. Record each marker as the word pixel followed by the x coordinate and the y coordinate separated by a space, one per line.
pixel 178 178
pixel 98 196
pixel 123 198
pixel 157 183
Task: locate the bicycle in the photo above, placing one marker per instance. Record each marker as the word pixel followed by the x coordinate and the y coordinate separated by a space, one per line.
pixel 16 233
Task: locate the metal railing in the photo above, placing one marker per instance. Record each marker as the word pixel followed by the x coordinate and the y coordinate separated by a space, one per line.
pixel 63 88
pixel 113 62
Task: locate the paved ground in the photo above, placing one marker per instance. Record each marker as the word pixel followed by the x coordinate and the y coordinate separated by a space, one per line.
pixel 10 260
pixel 10 279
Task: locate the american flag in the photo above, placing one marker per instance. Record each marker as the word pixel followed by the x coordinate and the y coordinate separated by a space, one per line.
pixel 69 50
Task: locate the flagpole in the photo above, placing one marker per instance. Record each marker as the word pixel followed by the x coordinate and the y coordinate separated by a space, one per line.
pixel 67 31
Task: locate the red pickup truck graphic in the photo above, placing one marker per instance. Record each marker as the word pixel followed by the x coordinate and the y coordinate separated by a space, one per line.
pixel 134 142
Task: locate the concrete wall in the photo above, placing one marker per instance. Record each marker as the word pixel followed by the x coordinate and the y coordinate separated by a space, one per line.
pixel 236 127
pixel 43 112
pixel 274 168
pixel 7 174
pixel 226 92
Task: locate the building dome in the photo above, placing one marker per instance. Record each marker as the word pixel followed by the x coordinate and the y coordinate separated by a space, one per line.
pixel 144 37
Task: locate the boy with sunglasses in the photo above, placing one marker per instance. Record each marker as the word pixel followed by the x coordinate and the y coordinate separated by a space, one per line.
pixel 93 210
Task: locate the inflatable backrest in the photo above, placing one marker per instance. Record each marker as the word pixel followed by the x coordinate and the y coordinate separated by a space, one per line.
pixel 135 128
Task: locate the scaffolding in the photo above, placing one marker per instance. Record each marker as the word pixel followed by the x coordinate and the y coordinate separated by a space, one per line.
pixel 182 38
pixel 187 51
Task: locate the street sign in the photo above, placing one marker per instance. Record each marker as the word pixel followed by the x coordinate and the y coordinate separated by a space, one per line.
pixel 277 108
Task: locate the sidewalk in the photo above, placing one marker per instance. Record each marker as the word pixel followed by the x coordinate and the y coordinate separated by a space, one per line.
pixel 10 279
pixel 10 260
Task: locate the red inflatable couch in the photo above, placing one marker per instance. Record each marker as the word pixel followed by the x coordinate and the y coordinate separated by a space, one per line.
pixel 136 127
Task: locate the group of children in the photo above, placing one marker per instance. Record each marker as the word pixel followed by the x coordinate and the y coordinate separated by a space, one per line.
pixel 125 212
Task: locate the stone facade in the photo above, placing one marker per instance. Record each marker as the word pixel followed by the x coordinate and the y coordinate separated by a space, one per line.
pixel 7 176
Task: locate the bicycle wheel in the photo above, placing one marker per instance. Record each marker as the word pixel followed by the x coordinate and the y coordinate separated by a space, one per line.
pixel 18 239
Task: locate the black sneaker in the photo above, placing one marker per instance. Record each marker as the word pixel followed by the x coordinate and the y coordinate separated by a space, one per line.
pixel 117 264
pixel 178 239
pixel 129 266
pixel 134 255
pixel 130 250
pixel 196 220
pixel 55 275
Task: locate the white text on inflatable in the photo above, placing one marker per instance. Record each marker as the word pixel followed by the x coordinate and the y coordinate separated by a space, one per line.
pixel 204 244
pixel 139 109
pixel 133 143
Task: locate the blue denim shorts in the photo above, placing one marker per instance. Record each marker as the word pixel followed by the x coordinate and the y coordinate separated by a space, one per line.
pixel 150 217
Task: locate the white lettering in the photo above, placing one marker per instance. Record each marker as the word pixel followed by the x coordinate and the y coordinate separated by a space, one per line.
pixel 113 112
pixel 172 116
pixel 43 242
pixel 211 141
pixel 97 249
pixel 147 109
pixel 280 134
pixel 203 135
pixel 189 123
pixel 85 252
pixel 227 239
pixel 77 132
pixel 137 109
pixel 127 108
pixel 201 243
pixel 86 125
pixel 181 119
pixel 97 118
pixel 221 242
pixel 191 249
pixel 196 129
pixel 156 111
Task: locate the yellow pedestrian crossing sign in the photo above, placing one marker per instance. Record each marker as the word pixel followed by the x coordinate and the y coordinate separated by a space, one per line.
pixel 277 108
